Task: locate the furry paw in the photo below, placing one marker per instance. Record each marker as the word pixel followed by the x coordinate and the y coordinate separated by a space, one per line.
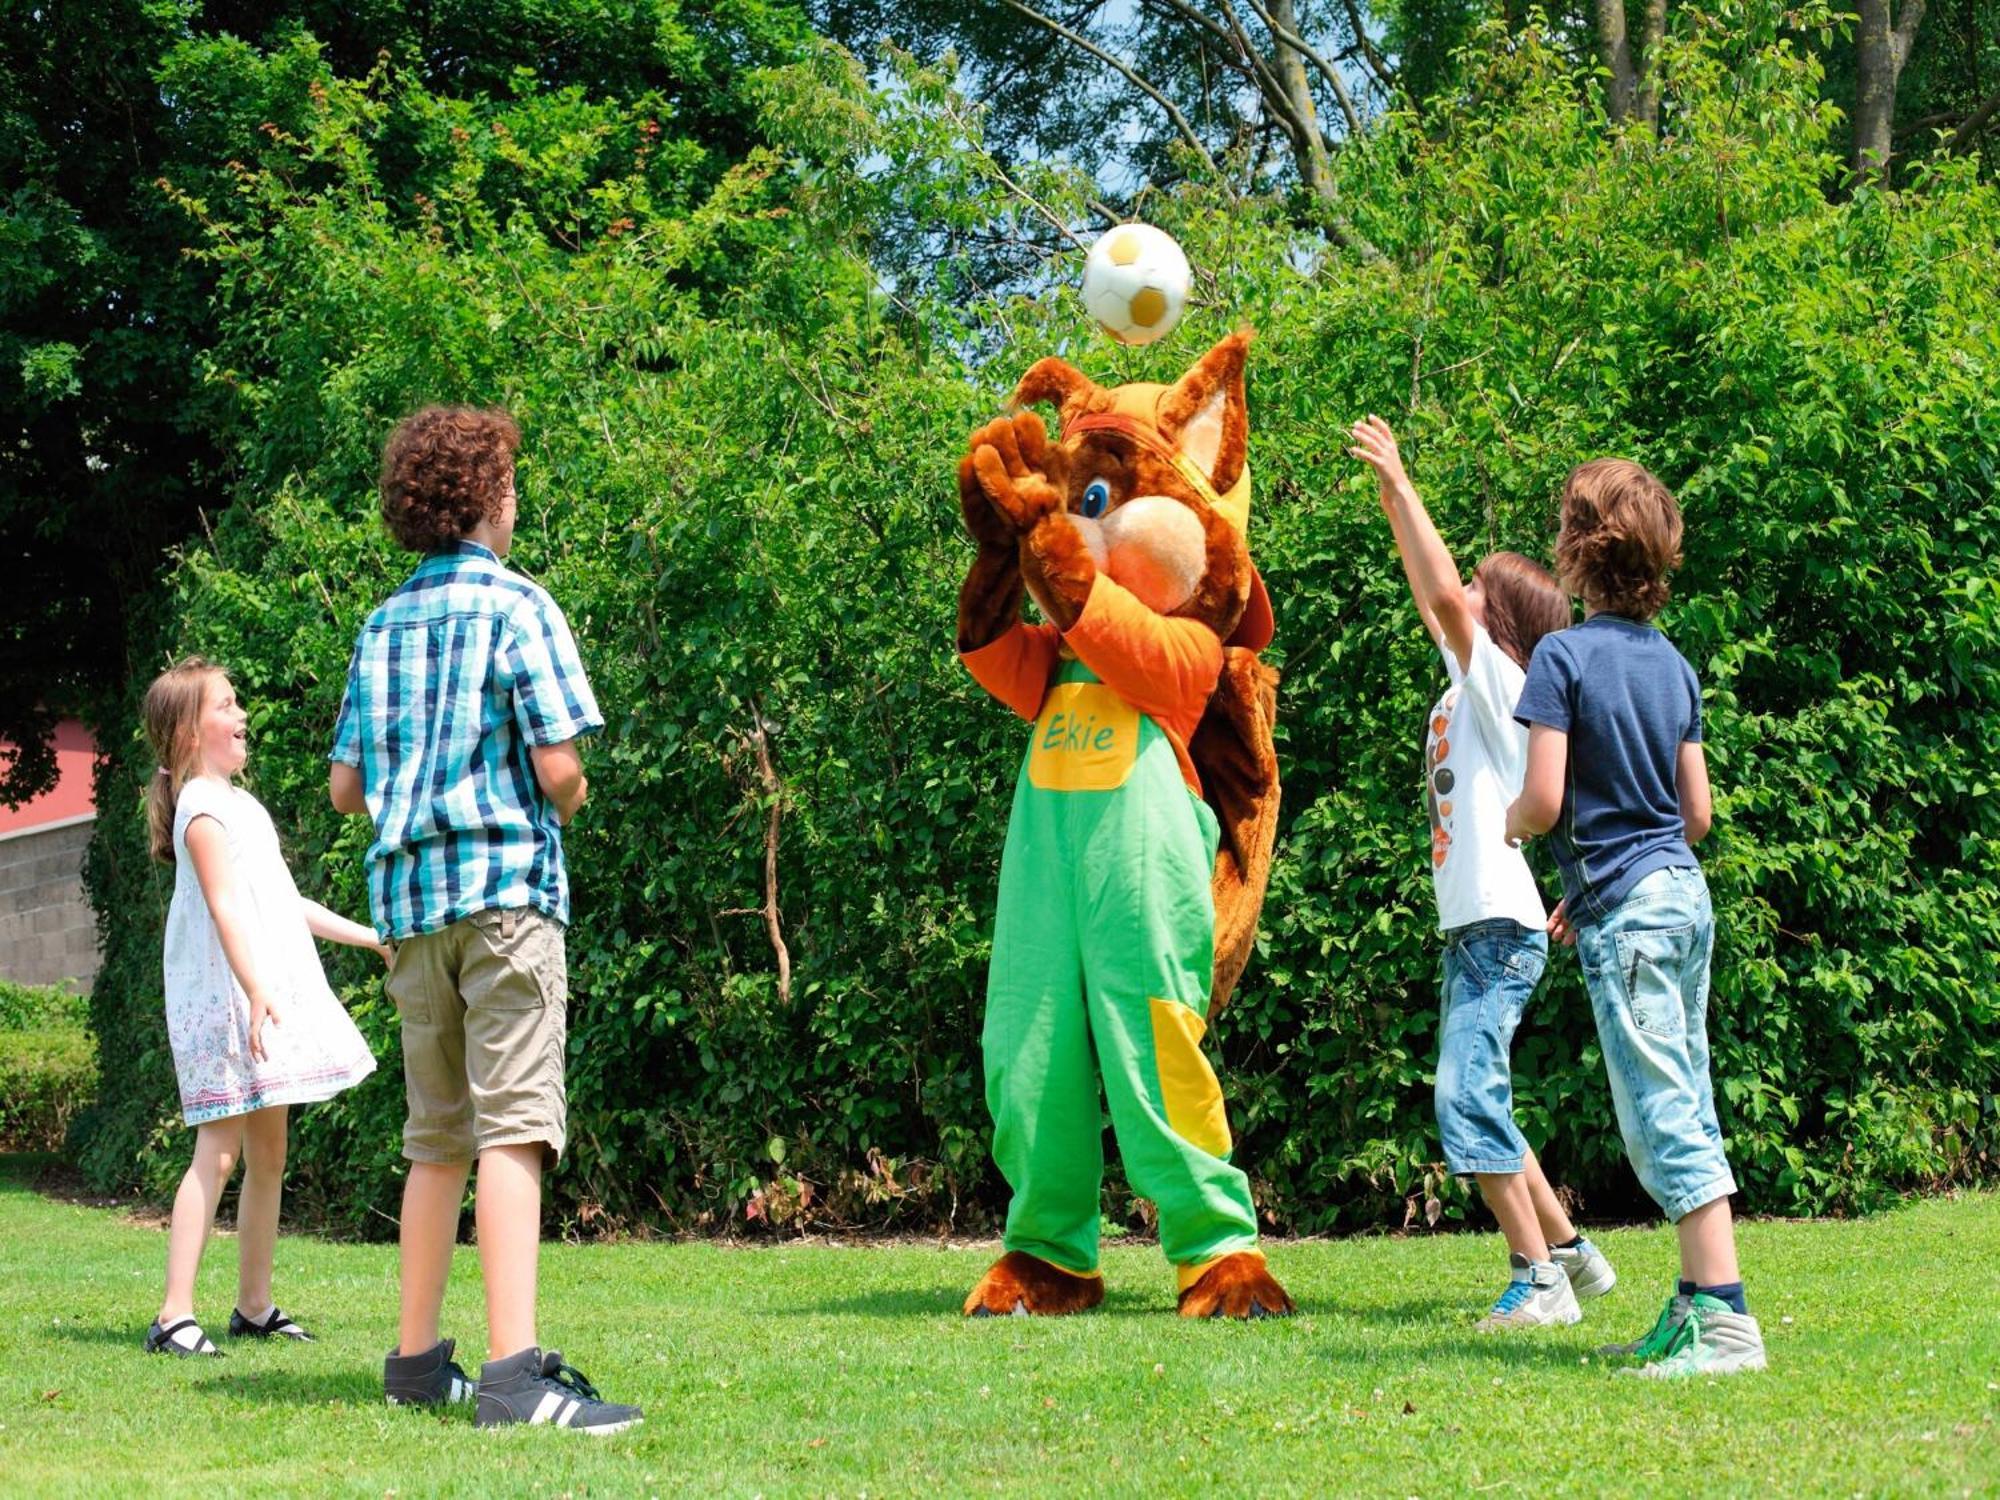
pixel 1237 1286
pixel 1022 1285
pixel 1018 473
pixel 984 524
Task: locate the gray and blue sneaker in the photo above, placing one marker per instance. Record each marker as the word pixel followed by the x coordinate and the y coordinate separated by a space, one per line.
pixel 538 1389
pixel 1538 1294
pixel 432 1378
pixel 1590 1274
pixel 1712 1339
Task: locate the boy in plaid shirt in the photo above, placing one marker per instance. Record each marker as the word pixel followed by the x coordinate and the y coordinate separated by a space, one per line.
pixel 457 736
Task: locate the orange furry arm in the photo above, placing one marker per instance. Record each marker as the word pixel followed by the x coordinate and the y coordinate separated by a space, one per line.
pixel 1015 667
pixel 1057 568
pixel 1163 666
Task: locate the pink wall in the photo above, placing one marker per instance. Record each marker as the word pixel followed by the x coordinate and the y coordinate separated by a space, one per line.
pixel 75 752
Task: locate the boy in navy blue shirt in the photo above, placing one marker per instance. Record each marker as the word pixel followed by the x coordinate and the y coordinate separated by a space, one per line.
pixel 1617 779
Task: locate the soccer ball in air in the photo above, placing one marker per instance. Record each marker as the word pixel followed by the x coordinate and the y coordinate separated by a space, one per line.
pixel 1135 283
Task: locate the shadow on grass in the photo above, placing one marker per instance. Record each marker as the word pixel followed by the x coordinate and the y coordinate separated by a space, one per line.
pixel 902 1302
pixel 1502 1351
pixel 26 1168
pixel 1425 1313
pixel 918 1302
pixel 1441 1326
pixel 87 1333
pixel 351 1387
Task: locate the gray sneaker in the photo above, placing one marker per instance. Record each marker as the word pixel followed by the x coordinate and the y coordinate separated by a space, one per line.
pixel 1590 1274
pixel 432 1378
pixel 539 1389
pixel 1713 1340
pixel 1538 1294
pixel 1666 1328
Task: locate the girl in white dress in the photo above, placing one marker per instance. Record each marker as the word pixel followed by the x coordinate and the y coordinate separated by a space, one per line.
pixel 254 1026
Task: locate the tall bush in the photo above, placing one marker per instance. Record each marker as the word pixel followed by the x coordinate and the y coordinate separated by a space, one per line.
pixel 737 479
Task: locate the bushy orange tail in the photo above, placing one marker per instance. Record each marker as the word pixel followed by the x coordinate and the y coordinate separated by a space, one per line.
pixel 1237 761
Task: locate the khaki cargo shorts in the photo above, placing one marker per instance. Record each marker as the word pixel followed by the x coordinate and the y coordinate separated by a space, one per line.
pixel 485 1012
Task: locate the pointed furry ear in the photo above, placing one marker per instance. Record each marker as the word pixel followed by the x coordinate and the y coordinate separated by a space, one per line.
pixel 1061 385
pixel 1207 411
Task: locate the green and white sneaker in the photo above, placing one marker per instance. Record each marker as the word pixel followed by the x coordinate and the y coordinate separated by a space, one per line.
pixel 1589 1273
pixel 1713 1339
pixel 1538 1294
pixel 1666 1329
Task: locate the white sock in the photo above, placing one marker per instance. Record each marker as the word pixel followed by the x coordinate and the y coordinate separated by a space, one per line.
pixel 188 1336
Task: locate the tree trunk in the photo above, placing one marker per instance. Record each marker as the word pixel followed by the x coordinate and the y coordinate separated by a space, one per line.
pixel 1651 34
pixel 1309 142
pixel 1616 54
pixel 1881 49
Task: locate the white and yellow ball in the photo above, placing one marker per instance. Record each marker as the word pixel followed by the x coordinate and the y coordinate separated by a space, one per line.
pixel 1135 283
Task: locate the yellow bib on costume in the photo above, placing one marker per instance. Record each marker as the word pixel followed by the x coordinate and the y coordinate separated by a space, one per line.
pixel 1086 740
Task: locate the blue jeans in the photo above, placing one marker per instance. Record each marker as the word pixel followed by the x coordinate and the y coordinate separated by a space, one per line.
pixel 1646 967
pixel 1490 973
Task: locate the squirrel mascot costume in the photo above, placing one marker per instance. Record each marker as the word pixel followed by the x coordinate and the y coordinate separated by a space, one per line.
pixel 1140 839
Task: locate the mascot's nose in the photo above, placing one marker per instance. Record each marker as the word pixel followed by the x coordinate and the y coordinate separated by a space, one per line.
pixel 1155 546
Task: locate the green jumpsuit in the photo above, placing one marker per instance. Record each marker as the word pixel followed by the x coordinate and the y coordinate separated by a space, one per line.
pixel 1102 958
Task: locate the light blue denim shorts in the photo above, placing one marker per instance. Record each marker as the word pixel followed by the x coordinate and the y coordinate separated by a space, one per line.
pixel 1646 967
pixel 1490 973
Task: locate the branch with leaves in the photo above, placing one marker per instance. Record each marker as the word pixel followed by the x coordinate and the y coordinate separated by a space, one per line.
pixel 1130 75
pixel 1265 49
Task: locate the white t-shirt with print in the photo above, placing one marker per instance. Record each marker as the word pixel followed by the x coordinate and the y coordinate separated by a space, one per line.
pixel 1474 758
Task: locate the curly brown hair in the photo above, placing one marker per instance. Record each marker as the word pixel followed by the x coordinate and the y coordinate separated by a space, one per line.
pixel 1620 537
pixel 1523 603
pixel 444 471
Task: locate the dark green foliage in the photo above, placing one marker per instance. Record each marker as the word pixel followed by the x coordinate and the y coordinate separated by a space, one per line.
pixel 38 1007
pixel 737 479
pixel 112 112
pixel 48 1065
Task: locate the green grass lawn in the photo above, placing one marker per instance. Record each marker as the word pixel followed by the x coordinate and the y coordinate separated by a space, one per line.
pixel 841 1371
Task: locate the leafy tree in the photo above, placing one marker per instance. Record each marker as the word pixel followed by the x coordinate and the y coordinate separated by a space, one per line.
pixel 1259 91
pixel 737 477
pixel 105 454
pixel 113 114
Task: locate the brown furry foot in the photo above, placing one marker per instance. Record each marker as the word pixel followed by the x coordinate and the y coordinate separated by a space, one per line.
pixel 1021 1284
pixel 1237 1286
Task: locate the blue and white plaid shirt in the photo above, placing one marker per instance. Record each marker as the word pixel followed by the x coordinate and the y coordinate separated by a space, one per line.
pixel 454 677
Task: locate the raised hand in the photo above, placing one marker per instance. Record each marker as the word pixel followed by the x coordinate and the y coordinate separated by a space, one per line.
pixel 1017 471
pixel 1375 445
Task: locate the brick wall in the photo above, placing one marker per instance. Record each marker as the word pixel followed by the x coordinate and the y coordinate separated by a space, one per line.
pixel 48 932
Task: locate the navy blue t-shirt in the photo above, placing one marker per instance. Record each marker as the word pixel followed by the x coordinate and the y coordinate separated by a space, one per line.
pixel 1626 699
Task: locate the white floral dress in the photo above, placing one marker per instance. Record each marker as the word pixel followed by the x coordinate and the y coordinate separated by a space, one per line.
pixel 315 1051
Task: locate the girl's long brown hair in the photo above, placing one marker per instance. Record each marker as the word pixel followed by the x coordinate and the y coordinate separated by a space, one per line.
pixel 1523 603
pixel 172 715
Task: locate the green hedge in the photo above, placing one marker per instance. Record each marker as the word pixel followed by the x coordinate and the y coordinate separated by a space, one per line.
pixel 48 1065
pixel 28 1007
pixel 737 479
